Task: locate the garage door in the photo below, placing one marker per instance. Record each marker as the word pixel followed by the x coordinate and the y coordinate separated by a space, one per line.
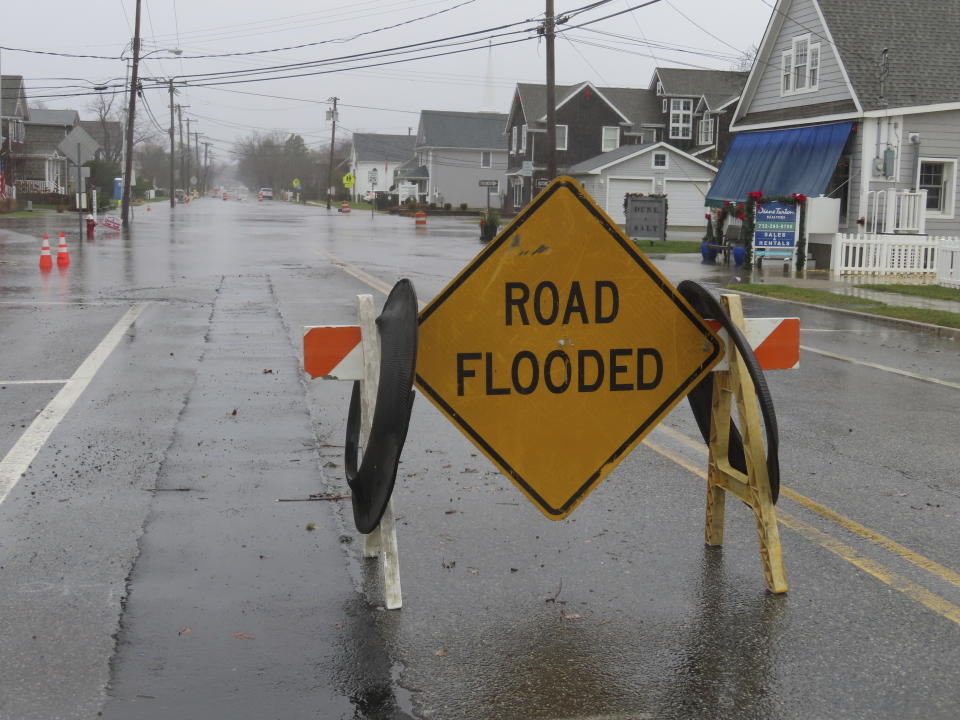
pixel 616 189
pixel 685 202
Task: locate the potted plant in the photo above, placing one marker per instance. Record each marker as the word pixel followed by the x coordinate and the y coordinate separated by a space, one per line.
pixel 489 224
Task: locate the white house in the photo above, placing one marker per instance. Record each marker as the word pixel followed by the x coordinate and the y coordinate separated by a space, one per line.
pixel 377 156
pixel 648 169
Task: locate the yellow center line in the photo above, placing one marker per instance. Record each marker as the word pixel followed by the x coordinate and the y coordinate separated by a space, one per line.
pixel 361 275
pixel 925 563
pixel 915 592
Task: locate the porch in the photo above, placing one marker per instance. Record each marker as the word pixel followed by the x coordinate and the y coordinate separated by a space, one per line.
pixel 39 187
pixel 894 211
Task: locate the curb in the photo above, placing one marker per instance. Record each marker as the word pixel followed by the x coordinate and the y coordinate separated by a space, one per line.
pixel 924 328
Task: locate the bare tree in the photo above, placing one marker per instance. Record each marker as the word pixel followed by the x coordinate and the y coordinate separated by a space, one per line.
pixel 744 61
pixel 110 126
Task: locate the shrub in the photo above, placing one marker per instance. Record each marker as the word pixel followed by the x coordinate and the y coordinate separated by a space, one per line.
pixel 463 206
pixel 433 206
pixel 447 206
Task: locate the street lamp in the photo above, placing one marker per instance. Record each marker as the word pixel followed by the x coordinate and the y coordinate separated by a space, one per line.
pixel 131 115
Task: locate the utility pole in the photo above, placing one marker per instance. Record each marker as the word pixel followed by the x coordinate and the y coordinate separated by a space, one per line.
pixel 131 112
pixel 196 153
pixel 180 142
pixel 173 200
pixel 550 26
pixel 333 136
pixel 206 165
pixel 188 175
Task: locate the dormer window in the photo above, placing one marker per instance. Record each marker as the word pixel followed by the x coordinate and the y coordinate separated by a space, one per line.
pixel 659 88
pixel 610 138
pixel 706 130
pixel 800 67
pixel 681 119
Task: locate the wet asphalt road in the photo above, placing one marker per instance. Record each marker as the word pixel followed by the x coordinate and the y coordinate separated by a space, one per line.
pixel 148 571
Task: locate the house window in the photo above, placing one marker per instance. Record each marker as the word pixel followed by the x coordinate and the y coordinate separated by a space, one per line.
pixel 517 193
pixel 706 130
pixel 660 160
pixel 800 46
pixel 664 107
pixel 938 178
pixel 681 119
pixel 800 66
pixel 610 139
pixel 659 88
pixel 523 139
pixel 485 161
pixel 561 137
pixel 513 139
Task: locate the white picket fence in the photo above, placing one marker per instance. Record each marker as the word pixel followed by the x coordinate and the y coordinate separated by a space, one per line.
pixel 948 264
pixel 887 254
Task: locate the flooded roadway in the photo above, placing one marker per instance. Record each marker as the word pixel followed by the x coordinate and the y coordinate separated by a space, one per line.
pixel 148 571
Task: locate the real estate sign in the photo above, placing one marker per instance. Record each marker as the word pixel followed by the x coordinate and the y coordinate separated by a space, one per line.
pixel 776 226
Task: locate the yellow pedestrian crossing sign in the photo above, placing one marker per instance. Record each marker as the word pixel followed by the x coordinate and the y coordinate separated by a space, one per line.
pixel 349 180
pixel 559 347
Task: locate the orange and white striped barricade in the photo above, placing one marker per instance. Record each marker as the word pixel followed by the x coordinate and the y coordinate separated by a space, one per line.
pixel 352 352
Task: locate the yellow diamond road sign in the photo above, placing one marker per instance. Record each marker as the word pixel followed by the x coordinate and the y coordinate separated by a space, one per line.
pixel 559 347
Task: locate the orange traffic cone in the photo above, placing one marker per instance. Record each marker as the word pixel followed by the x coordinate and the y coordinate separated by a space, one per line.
pixel 63 255
pixel 46 262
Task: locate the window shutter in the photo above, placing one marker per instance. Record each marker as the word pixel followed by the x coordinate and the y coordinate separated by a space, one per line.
pixel 814 66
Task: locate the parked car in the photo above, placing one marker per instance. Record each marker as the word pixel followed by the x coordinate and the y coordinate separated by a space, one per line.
pixel 267 193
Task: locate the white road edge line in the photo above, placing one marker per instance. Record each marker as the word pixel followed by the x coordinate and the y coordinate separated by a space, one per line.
pixel 18 459
pixel 885 368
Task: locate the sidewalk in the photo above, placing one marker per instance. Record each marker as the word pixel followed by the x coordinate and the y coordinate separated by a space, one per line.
pixel 679 267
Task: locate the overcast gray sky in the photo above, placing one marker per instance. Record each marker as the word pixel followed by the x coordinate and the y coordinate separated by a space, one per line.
pixel 621 51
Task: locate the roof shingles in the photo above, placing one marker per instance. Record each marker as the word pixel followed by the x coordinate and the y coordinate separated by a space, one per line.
pixel 921 36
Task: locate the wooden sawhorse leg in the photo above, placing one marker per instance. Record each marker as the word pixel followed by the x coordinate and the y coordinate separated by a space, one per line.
pixel 753 488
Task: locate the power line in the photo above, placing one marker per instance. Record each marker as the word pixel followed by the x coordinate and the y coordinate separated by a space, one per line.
pixel 700 27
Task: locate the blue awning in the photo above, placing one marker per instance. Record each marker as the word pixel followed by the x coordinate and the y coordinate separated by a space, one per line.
pixel 779 162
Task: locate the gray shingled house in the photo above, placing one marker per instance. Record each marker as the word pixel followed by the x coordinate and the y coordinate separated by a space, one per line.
pixel 453 152
pixel 859 101
pixel 380 153
pixel 591 120
pixel 41 167
pixel 696 107
pixel 13 117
